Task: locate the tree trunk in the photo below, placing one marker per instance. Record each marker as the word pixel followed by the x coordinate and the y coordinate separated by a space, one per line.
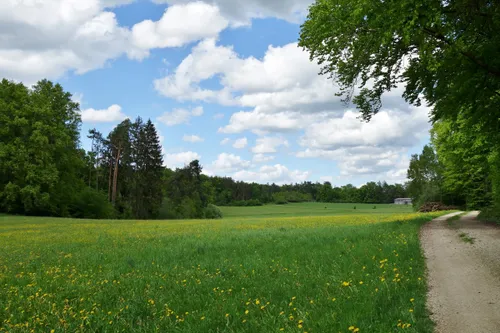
pixel 110 180
pixel 115 176
pixel 97 175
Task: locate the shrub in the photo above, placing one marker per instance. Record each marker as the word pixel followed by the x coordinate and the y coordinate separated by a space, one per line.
pixel 280 201
pixel 91 204
pixel 490 214
pixel 212 212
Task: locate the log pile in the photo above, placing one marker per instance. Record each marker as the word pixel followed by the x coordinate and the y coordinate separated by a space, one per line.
pixel 434 207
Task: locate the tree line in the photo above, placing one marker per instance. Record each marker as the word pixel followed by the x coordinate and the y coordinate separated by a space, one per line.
pixel 44 170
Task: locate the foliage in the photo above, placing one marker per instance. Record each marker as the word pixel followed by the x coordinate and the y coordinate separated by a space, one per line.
pixel 212 212
pixel 40 163
pixel 91 204
pixel 185 193
pixel 200 276
pixel 490 214
pixel 444 52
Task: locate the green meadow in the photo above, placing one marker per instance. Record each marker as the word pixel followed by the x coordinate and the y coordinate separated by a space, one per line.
pixel 357 271
pixel 314 209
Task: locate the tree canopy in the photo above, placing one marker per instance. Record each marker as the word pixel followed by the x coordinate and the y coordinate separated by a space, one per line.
pixel 444 53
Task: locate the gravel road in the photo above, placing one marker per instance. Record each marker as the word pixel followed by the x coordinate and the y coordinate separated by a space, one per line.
pixel 464 278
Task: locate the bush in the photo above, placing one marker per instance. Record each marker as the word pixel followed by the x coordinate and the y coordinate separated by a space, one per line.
pixel 91 204
pixel 212 212
pixel 490 214
pixel 246 203
pixel 280 201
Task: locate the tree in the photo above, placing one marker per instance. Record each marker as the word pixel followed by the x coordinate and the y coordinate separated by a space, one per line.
pixel 40 163
pixel 150 170
pixel 443 52
pixel 463 151
pixel 119 141
pixel 425 175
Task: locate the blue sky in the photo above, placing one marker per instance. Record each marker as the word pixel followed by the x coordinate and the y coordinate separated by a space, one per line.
pixel 223 80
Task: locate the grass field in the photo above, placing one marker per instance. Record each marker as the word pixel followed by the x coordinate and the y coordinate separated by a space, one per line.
pixel 314 209
pixel 346 273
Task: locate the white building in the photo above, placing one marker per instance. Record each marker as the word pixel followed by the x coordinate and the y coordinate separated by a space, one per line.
pixel 402 201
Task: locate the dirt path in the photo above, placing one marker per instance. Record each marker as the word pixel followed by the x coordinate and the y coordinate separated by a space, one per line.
pixel 464 278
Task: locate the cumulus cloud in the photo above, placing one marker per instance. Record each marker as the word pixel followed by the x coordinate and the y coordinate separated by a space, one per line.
pixel 240 12
pixel 284 80
pixel 277 173
pixel 378 148
pixel 177 160
pixel 326 179
pixel 262 158
pixel 180 116
pixel 266 145
pixel 229 163
pixel 47 39
pixel 179 25
pixel 192 138
pixel 225 141
pixel 240 143
pixel 112 114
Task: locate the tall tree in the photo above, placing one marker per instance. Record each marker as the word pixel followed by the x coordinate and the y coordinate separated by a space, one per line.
pixel 40 162
pixel 119 141
pixel 445 52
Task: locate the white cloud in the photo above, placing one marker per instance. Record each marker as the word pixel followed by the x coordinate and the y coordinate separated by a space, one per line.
pixel 241 11
pixel 177 160
pixel 229 163
pixel 378 148
pixel 112 114
pixel 387 128
pixel 225 141
pixel 179 25
pixel 180 116
pixel 267 145
pixel 218 116
pixel 240 143
pixel 192 138
pixel 262 158
pixel 284 80
pixel 49 38
pixel 278 174
pixel 323 179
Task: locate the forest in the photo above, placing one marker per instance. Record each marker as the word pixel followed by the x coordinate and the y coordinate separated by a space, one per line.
pixel 44 171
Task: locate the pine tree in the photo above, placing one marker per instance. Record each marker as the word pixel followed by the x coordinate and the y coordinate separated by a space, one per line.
pixel 152 170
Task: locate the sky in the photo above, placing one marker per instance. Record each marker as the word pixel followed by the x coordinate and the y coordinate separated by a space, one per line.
pixel 223 80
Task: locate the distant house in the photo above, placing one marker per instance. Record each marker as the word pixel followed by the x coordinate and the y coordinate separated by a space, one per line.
pixel 402 201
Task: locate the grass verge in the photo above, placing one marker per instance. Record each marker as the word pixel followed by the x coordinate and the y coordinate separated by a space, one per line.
pixel 318 274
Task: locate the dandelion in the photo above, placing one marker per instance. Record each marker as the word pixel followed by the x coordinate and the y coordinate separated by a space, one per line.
pixel 227 315
pixel 202 318
pixel 246 311
pixel 345 284
pixel 412 299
